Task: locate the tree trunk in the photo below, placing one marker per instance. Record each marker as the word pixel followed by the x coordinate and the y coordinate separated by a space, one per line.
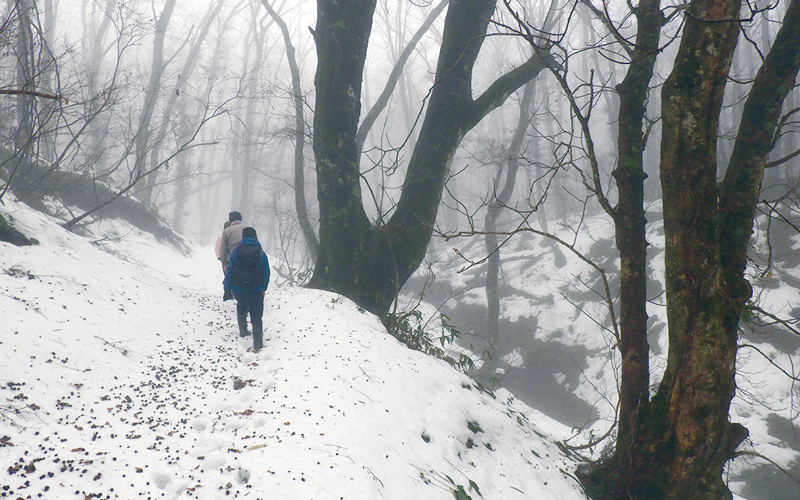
pixel 306 228
pixel 185 74
pixel 675 446
pixel 181 192
pixel 49 82
pixel 394 76
pixel 754 141
pixel 500 197
pixel 142 138
pixel 26 79
pixel 630 223
pixel 690 435
pixel 341 37
pixel 370 264
pixel 621 475
pixel 94 36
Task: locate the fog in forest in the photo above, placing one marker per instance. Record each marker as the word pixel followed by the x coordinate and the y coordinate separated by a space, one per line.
pixel 171 113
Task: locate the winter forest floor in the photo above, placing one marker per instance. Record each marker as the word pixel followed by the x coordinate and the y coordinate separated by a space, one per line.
pixel 122 376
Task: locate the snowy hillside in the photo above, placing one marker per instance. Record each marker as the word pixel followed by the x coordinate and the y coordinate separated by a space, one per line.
pixel 559 351
pixel 122 376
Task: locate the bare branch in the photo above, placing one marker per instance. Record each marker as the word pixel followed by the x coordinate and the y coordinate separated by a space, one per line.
pixel 34 94
pixel 571 247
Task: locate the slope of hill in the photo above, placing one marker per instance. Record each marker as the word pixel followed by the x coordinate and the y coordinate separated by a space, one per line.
pixel 559 352
pixel 122 376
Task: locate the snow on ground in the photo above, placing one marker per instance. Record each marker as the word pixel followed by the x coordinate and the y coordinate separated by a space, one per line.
pixel 122 376
pixel 563 294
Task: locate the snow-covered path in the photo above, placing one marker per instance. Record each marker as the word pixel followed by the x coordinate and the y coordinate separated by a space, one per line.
pixel 123 376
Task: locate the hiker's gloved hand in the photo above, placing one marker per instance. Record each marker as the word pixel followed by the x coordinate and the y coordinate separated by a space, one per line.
pixel 228 295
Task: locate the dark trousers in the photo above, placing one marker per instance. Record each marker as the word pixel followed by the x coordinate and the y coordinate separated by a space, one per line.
pixel 252 302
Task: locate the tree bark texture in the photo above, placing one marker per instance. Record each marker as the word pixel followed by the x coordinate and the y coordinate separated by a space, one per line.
pixel 341 37
pixel 754 141
pixel 675 446
pixel 690 435
pixel 630 228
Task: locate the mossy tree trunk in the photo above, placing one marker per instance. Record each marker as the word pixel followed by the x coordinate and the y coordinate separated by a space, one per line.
pixel 365 262
pixel 755 139
pixel 341 37
pixel 678 443
pixel 628 462
pixel 690 435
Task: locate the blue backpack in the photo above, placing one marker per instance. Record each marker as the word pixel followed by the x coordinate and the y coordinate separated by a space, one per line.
pixel 247 273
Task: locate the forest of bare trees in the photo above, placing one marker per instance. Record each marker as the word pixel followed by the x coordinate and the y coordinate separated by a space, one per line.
pixel 367 138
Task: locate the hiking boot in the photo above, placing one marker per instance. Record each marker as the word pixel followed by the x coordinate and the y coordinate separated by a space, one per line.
pixel 243 327
pixel 258 340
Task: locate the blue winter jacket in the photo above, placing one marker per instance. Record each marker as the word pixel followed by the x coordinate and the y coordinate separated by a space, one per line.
pixel 228 283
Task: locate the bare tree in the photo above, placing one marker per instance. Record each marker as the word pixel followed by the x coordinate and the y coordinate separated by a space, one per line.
pixel 142 138
pixel 370 263
pixel 184 76
pixel 66 172
pixel 499 198
pixel 298 101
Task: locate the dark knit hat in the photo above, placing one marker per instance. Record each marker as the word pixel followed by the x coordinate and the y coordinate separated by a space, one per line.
pixel 234 216
pixel 249 232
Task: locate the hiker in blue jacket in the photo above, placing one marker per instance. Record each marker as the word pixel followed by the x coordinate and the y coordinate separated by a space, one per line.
pixel 247 276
